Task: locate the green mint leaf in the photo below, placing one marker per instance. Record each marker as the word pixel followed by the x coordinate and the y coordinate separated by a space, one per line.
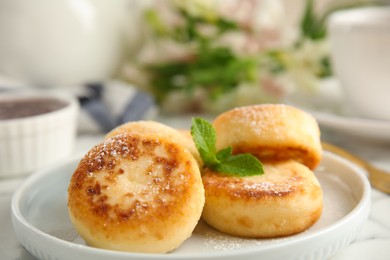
pixel 223 161
pixel 241 165
pixel 204 137
pixel 224 154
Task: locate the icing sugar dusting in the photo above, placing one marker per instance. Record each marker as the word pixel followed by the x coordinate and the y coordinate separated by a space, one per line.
pixel 208 239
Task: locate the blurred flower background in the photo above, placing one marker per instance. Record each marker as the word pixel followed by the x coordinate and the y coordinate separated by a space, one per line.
pixel 209 56
pixel 189 56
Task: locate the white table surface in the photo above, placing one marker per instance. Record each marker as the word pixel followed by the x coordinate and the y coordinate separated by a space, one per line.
pixel 373 242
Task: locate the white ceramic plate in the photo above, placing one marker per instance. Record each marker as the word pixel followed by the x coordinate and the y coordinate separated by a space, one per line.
pixel 41 223
pixel 329 107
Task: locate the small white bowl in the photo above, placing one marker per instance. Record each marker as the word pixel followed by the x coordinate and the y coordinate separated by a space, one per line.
pixel 29 143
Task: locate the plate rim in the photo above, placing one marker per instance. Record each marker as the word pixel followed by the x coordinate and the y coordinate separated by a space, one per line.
pixel 327 105
pixel 361 205
pixel 332 118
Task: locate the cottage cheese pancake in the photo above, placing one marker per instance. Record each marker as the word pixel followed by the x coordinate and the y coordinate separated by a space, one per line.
pixel 271 132
pixel 285 200
pixel 139 193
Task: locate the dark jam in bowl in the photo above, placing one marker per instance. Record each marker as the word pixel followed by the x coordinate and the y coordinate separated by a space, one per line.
pixel 26 107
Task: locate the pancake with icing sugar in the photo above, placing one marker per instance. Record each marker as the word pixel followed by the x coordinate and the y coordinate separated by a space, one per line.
pixel 138 193
pixel 285 200
pixel 271 132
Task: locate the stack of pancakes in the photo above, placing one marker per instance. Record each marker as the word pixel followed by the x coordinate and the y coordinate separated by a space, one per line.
pixel 144 188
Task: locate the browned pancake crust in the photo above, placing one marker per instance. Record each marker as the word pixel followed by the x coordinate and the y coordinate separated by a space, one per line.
pixel 152 127
pixel 272 132
pixel 285 200
pixel 151 206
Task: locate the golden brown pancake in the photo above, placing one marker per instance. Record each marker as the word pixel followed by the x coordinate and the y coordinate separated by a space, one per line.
pixel 285 200
pixel 271 133
pixel 138 193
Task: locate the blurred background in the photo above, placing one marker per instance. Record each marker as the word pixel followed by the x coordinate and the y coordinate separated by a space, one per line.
pixel 132 59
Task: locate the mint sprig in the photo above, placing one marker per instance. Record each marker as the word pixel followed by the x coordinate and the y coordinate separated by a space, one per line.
pixel 223 161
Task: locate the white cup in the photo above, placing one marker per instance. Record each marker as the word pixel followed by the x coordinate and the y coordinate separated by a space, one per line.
pixel 360 51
